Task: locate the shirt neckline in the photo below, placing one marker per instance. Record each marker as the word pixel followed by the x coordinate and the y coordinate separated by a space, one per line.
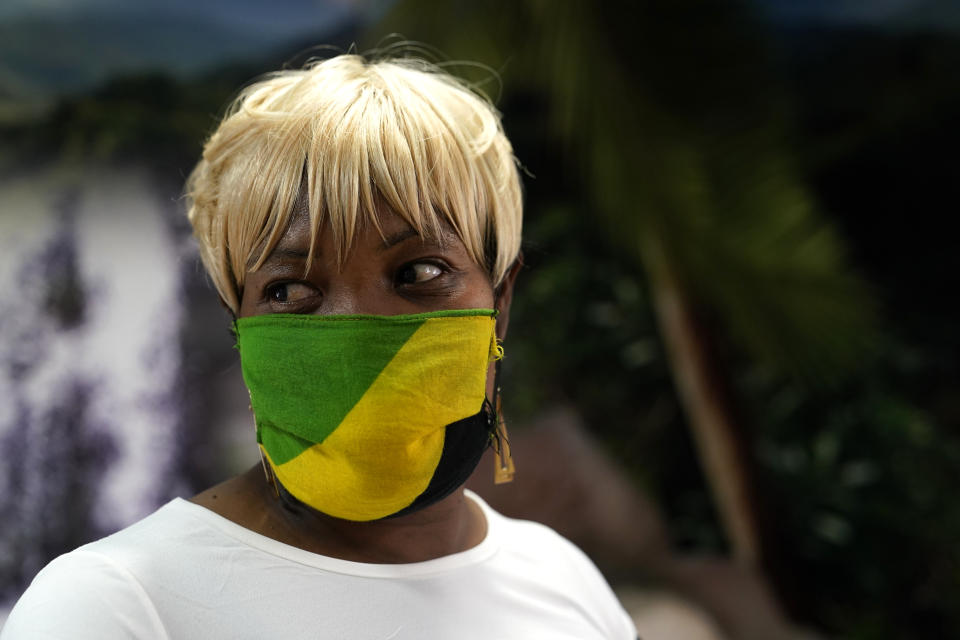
pixel 474 555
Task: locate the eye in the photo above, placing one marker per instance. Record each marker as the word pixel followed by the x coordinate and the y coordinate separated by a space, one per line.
pixel 286 292
pixel 417 272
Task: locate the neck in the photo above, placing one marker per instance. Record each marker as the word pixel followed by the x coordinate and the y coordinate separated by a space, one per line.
pixel 451 525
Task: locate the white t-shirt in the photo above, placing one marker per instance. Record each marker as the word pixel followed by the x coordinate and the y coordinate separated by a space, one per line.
pixel 186 572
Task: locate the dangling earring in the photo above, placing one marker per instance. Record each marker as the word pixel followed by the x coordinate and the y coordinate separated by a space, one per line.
pixel 503 469
pixel 267 472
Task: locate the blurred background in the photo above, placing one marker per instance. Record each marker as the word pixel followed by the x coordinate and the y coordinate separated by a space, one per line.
pixel 732 375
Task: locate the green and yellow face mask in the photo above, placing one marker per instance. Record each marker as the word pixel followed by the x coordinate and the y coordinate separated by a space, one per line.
pixel 364 417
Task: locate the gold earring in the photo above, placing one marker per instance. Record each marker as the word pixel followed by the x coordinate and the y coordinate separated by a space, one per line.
pixel 267 472
pixel 504 468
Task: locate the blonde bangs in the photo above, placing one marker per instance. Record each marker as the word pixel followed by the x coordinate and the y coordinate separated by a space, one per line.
pixel 356 136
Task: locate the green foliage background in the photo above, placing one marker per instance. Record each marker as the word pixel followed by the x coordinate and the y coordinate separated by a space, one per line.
pixel 797 184
pixel 687 129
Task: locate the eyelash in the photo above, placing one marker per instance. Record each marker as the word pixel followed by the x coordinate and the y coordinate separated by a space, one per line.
pixel 439 264
pixel 271 289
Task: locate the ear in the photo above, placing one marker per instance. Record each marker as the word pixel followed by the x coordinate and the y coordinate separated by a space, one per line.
pixel 223 303
pixel 503 296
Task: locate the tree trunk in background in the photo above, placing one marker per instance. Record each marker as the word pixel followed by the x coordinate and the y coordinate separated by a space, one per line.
pixel 706 402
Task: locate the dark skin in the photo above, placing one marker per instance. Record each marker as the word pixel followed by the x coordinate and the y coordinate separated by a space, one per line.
pixel 397 273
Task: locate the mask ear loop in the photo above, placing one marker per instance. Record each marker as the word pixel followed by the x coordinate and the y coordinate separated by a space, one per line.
pixel 504 468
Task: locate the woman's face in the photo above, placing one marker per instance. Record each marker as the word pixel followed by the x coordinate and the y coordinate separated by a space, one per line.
pixel 402 274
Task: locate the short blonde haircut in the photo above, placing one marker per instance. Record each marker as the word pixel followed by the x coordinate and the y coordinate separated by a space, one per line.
pixel 358 134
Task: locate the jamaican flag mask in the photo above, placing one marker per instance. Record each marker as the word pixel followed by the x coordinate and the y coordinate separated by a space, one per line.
pixel 364 417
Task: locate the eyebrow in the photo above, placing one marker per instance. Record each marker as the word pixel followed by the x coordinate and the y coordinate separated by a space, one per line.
pixel 393 239
pixel 280 253
pixel 396 238
pixel 389 241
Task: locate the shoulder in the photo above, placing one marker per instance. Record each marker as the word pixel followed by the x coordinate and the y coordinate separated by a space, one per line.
pixel 543 562
pixel 97 591
pixel 83 594
pixel 531 543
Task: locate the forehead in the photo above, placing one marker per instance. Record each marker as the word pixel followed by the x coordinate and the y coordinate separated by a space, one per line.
pixel 381 229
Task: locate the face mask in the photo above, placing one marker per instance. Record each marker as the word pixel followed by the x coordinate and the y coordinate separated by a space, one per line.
pixel 364 417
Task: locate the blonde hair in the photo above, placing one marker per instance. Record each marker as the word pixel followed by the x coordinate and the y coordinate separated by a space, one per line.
pixel 355 133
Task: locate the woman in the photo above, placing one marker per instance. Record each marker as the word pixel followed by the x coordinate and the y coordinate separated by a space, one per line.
pixel 361 221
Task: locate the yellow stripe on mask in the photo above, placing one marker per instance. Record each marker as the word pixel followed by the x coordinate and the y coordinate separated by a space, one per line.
pixel 384 452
